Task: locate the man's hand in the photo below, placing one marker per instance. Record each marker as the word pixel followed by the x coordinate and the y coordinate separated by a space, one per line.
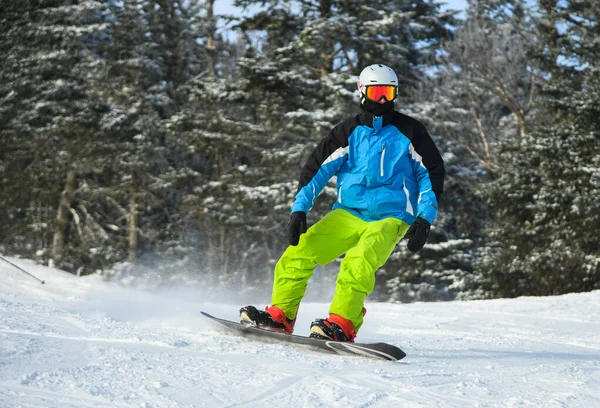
pixel 417 234
pixel 296 226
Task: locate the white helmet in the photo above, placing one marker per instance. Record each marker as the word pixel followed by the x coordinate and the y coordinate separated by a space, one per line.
pixel 376 74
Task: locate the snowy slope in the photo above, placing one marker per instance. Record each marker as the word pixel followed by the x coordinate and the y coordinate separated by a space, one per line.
pixel 84 343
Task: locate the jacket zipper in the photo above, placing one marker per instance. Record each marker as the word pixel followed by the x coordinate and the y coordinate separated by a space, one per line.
pixel 340 193
pixel 381 166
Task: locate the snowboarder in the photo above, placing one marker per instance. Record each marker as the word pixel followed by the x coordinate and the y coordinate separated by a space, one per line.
pixel 390 177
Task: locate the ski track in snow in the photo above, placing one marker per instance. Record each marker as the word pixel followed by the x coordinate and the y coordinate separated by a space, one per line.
pixel 81 342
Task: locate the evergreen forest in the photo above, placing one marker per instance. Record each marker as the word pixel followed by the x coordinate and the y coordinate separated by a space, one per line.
pixel 157 139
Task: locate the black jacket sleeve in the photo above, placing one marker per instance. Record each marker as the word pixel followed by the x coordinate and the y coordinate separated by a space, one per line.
pixel 336 139
pixel 426 148
pixel 432 159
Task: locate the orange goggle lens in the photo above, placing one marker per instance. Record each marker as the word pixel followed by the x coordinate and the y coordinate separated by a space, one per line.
pixel 376 92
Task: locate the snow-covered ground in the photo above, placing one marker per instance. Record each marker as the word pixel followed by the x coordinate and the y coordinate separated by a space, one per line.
pixel 80 342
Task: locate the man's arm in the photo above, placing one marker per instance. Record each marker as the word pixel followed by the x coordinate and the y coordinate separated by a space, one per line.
pixel 429 168
pixel 327 158
pixel 432 159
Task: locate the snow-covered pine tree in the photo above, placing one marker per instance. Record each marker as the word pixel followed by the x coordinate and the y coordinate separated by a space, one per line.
pixel 82 82
pixel 223 155
pixel 545 238
pixel 153 53
pixel 48 116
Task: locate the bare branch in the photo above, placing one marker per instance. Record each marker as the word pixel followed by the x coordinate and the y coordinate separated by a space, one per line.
pixel 482 135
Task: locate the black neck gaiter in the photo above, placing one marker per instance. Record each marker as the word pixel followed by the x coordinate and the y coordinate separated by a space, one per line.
pixel 378 109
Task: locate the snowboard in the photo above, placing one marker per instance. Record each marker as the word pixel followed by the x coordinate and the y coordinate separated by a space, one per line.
pixel 381 351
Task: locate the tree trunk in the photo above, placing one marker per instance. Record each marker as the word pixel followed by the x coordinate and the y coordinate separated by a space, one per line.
pixel 133 230
pixel 328 54
pixel 522 129
pixel 211 49
pixel 62 217
pixel 224 250
pixel 211 251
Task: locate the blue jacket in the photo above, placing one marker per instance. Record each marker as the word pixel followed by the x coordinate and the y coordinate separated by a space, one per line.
pixel 386 166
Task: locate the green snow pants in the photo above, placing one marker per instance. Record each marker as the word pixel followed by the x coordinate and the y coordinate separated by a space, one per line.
pixel 367 246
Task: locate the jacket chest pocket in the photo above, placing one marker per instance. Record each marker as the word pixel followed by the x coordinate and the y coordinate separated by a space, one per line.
pixel 389 163
pixel 393 163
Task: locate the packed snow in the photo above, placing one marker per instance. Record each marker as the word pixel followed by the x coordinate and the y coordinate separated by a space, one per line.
pixel 83 342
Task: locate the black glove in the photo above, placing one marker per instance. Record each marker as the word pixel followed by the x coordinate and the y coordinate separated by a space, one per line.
pixel 296 226
pixel 417 234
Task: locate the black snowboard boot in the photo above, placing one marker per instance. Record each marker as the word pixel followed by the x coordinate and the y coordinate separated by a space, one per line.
pixel 334 328
pixel 271 318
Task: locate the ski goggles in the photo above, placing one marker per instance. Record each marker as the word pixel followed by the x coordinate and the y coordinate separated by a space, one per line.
pixel 376 92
